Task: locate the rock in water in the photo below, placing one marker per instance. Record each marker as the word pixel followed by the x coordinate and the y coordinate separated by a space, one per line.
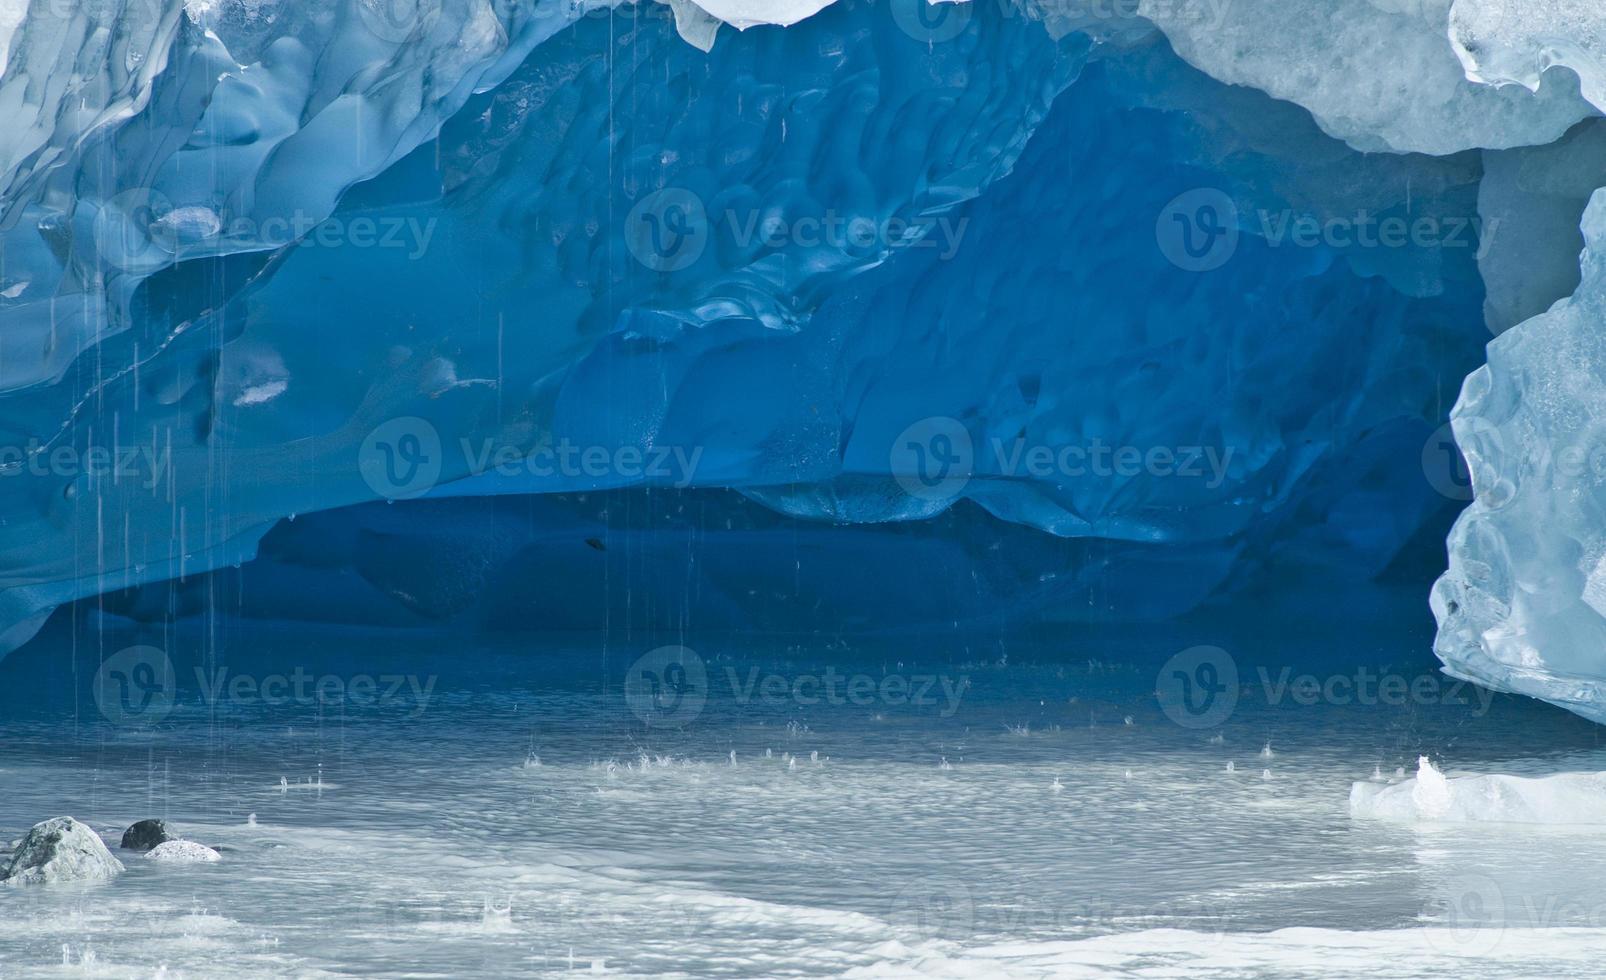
pixel 59 850
pixel 183 851
pixel 145 835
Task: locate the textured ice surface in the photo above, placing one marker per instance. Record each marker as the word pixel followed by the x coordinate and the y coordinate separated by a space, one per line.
pixel 750 13
pixel 1533 199
pixel 1378 73
pixel 1431 796
pixel 550 164
pixel 1523 605
pixel 1515 41
pixel 1016 320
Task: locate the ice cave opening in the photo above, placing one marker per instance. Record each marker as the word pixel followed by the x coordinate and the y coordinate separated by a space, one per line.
pixel 739 413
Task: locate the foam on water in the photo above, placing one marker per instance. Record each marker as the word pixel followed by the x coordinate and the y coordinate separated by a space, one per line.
pixel 890 841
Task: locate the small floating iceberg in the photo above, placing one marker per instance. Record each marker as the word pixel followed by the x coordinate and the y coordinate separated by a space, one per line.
pixel 183 852
pixel 1431 797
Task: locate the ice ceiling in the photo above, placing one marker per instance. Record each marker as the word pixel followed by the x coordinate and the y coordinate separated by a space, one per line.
pixel 564 313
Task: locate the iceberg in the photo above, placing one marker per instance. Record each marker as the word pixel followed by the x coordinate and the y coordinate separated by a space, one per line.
pixel 1521 607
pixel 1432 797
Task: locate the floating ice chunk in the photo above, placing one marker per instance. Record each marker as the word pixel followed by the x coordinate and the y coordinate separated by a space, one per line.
pixel 1431 797
pixel 183 852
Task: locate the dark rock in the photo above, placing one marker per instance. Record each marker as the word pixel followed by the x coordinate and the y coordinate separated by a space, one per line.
pixel 145 835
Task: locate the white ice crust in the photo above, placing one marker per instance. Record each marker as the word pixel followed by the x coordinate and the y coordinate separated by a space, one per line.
pixel 1433 797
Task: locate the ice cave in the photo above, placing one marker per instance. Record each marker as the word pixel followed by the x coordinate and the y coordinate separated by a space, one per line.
pixel 784 488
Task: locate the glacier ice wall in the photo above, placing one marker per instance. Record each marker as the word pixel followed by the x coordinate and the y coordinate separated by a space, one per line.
pixel 200 340
pixel 256 253
pixel 1377 73
pixel 1309 400
pixel 1523 605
